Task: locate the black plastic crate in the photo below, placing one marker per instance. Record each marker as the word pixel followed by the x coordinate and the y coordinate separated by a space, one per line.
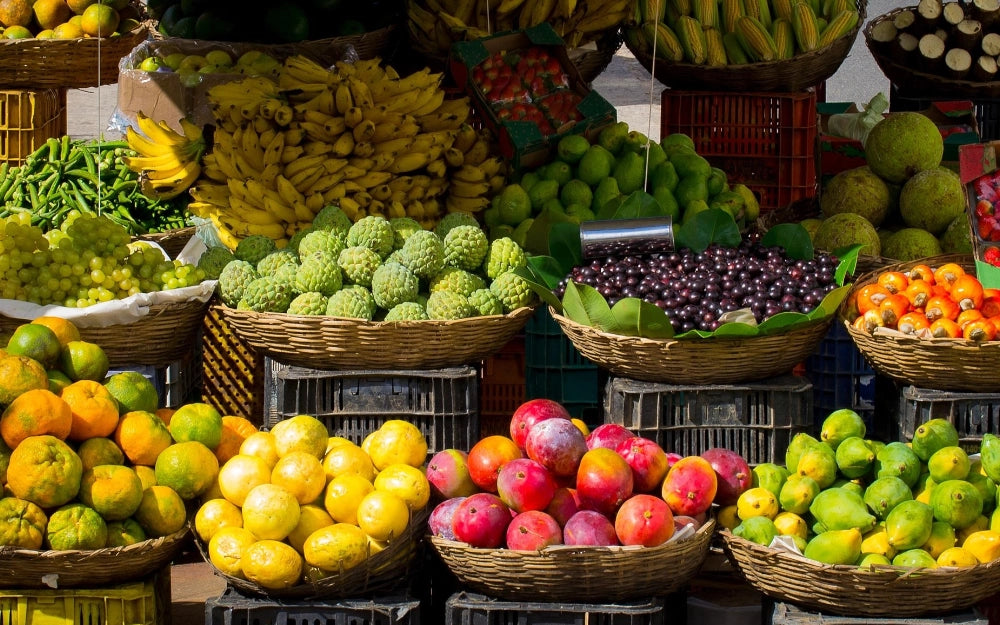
pixel 987 110
pixel 555 369
pixel 788 614
pixel 972 414
pixel 232 608
pixel 841 377
pixel 755 419
pixel 443 403
pixel 464 608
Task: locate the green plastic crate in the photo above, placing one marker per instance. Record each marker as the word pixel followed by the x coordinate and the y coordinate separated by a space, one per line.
pixel 556 370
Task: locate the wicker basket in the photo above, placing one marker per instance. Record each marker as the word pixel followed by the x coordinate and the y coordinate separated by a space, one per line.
pixel 570 574
pixel 382 571
pixel 172 241
pixel 590 62
pixel 883 591
pixel 334 343
pixel 26 568
pixel 909 80
pixel 798 73
pixel 943 364
pixel 721 360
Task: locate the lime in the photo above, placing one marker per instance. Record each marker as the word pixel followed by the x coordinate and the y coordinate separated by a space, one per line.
pixel 595 165
pixel 151 64
pixel 559 171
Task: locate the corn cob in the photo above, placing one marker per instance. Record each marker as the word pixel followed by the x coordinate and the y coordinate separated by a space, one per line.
pixel 731 11
pixel 735 53
pixel 804 26
pixel 715 50
pixel 816 6
pixel 843 23
pixel 682 7
pixel 784 38
pixel 706 12
pixel 833 7
pixel 783 9
pixel 759 10
pixel 668 46
pixel 755 39
pixel 652 10
pixel 692 39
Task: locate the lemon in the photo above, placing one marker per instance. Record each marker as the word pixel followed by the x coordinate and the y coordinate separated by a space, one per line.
pixel 757 501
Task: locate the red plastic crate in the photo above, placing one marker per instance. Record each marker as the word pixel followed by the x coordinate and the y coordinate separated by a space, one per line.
pixel 501 387
pixel 763 140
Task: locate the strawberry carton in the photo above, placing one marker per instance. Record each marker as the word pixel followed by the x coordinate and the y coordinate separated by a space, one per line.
pixel 981 175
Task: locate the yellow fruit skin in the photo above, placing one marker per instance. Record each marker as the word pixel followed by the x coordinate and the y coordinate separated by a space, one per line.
pixel 985 545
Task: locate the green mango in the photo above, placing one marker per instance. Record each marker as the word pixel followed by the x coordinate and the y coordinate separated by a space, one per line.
pixel 909 524
pixel 770 476
pixel 835 547
pixel 820 463
pixel 915 559
pixel 691 188
pixel 932 435
pixel 667 201
pixel 885 493
pixel 691 164
pixel 728 201
pixel 942 537
pixel 677 140
pixel 840 509
pixel 654 155
pixel 663 175
pixel 799 443
pixel 757 529
pixel 899 460
pixel 986 487
pixel 612 138
pixel 869 560
pixel 540 193
pixel 949 463
pixel 957 503
pixel 629 171
pixel 528 180
pixel 855 457
pixel 797 493
pixel 989 451
pixel 876 446
pixel 606 190
pixel 841 424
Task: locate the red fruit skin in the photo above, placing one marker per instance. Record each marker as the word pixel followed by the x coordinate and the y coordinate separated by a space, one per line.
pixel 533 530
pixel 487 456
pixel 557 444
pixel 591 528
pixel 604 481
pixel 531 412
pixel 732 474
pixel 448 474
pixel 648 462
pixel 644 520
pixel 672 459
pixel 481 520
pixel 565 503
pixel 609 435
pixel 524 485
pixel 440 520
pixel 682 521
pixel 690 486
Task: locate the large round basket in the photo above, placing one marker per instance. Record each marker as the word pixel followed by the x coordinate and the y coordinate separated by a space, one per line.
pixel 334 343
pixel 696 361
pixel 910 80
pixel 944 364
pixel 382 571
pixel 571 574
pixel 172 241
pixel 798 73
pixel 882 591
pixel 26 568
pixel 590 62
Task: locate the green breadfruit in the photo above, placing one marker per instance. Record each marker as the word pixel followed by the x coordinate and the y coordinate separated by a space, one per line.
pixel 310 303
pixel 233 280
pixel 333 219
pixel 320 241
pixel 448 305
pixel 214 260
pixel 285 274
pixel 267 265
pixel 465 247
pixel 394 284
pixel 402 228
pixel 452 220
pixel 293 243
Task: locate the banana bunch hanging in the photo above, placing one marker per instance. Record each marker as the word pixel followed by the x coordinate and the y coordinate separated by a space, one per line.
pixel 168 162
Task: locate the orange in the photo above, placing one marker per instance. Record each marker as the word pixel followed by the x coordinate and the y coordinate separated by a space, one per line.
pixel 51 13
pixel 67 30
pixel 189 468
pixel 272 564
pixel 44 470
pixel 76 526
pixel 124 533
pixel 343 494
pixel 141 436
pixel 311 518
pixel 406 482
pixel 99 20
pixel 133 391
pixel 58 380
pixel 382 515
pixel 336 441
pixel 34 413
pixel 95 411
pixel 196 422
pixel 337 547
pixel 79 6
pixel 165 414
pixel 35 341
pixel 22 523
pixel 19 374
pixel 17 32
pixel 161 511
pixel 262 445
pixel 235 430
pixel 15 12
pixel 225 549
pixel 97 451
pixel 397 442
pixel 113 490
pixel 301 474
pixel 349 458
pixel 82 360
pixel 215 514
pixel 146 475
pixel 300 433
pixel 240 474
pixel 65 330
pixel 270 512
pixel 5 452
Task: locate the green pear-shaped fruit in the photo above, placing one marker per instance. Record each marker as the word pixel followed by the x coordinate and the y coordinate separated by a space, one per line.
pixel 835 547
pixel 799 443
pixel 855 457
pixel 909 524
pixel 841 424
pixel 840 509
pixel 757 529
pixel 886 493
pixel 932 435
pixel 820 463
pixel 957 503
pixel 899 460
pixel 797 493
pixel 770 476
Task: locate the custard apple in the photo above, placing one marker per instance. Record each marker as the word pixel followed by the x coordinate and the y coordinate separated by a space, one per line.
pixel 407 311
pixel 504 255
pixel 348 303
pixel 309 303
pixel 285 274
pixel 402 228
pixel 448 305
pixel 423 254
pixel 320 241
pixel 358 264
pixel 365 294
pixel 213 260
pixel 293 243
pixel 457 281
pixel 318 272
pixel 452 220
pixel 394 284
pixel 395 257
pixel 254 247
pixel 266 295
pixel 513 291
pixel 267 265
pixel 374 232
pixel 332 218
pixel 233 280
pixel 465 247
pixel 485 302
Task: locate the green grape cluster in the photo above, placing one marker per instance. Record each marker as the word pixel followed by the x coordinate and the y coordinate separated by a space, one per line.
pixel 89 259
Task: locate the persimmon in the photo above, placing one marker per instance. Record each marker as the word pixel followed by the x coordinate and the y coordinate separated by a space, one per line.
pixel 912 322
pixel 892 308
pixel 979 330
pixel 947 274
pixel 870 296
pixel 921 272
pixel 945 328
pixel 893 281
pixel 939 307
pixel 918 292
pixel 967 291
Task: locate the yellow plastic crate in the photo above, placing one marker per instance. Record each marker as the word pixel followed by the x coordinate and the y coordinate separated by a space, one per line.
pixel 27 119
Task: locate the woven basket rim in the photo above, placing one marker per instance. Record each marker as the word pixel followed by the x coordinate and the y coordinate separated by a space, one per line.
pixel 85 554
pixel 524 311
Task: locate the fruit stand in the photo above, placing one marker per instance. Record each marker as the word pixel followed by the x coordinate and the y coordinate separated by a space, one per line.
pixel 381 314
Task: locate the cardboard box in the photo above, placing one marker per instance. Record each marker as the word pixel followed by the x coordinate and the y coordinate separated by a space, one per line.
pixel 976 161
pixel 521 141
pixel 957 121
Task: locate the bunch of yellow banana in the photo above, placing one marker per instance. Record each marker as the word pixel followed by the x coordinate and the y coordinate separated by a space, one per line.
pixel 435 24
pixel 168 161
pixel 356 135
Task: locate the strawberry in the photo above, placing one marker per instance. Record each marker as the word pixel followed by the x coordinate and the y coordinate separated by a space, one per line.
pixel 984 208
pixel 992 256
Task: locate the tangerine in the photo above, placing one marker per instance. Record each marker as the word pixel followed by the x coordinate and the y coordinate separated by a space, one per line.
pixel 215 514
pixel 270 512
pixel 98 451
pixel 35 341
pixel 301 474
pixel 94 409
pixel 58 381
pixel 99 20
pixel 142 437
pixel 83 360
pixel 225 549
pixel 124 533
pixel 146 475
pixel 336 547
pixel 22 523
pixel 37 412
pixel 133 391
pixel 76 526
pixel 189 468
pixel 240 474
pixel 67 30
pixel 115 491
pixel 196 422
pixel 19 374
pixel 300 433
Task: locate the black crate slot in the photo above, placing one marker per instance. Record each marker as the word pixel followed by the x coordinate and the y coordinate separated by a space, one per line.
pixel 232 608
pixel 464 608
pixel 788 614
pixel 972 414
